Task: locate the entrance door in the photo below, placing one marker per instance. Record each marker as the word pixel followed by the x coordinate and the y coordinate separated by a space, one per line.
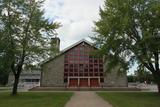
pixel 73 82
pixel 94 82
pixel 83 82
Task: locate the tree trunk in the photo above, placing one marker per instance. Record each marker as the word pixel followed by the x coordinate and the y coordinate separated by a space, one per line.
pixel 158 85
pixel 15 85
pixel 156 76
pixel 16 76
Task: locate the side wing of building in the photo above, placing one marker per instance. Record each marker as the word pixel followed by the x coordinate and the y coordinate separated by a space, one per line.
pixel 52 73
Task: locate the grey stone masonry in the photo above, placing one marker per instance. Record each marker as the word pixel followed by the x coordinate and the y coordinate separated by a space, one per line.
pixel 53 72
pixel 114 78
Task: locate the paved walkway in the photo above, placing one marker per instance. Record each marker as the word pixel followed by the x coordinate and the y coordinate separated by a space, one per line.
pixel 87 99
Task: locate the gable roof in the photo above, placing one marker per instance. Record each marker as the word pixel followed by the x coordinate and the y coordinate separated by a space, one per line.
pixel 75 44
pixel 68 48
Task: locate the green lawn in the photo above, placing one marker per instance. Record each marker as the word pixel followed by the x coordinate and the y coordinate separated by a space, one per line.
pixel 131 99
pixel 5 88
pixel 35 99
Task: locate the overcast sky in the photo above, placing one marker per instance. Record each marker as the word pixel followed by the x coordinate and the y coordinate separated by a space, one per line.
pixel 76 17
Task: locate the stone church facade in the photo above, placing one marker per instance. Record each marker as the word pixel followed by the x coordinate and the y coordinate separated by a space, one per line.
pixel 78 66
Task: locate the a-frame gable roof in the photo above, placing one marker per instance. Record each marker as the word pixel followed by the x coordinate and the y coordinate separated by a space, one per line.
pixel 68 48
pixel 77 43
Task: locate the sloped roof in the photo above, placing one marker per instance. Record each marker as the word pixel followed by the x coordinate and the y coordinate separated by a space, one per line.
pixel 75 44
pixel 68 48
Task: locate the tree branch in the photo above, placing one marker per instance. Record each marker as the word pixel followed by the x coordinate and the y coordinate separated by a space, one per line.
pixel 148 65
pixel 156 55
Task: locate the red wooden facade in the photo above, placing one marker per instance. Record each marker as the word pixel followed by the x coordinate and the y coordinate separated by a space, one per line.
pixel 82 68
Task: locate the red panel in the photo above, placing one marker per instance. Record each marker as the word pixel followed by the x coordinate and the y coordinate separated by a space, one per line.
pixel 73 82
pixel 83 82
pixel 79 62
pixel 94 82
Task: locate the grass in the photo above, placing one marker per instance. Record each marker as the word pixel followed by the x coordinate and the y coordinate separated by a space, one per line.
pixel 131 99
pixel 35 99
pixel 5 88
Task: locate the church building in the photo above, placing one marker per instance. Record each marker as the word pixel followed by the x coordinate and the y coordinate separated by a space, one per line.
pixel 78 66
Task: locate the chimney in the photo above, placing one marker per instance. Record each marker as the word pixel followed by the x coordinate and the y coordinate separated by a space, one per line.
pixel 55 46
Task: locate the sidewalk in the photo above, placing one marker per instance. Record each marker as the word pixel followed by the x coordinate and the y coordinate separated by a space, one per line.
pixel 87 99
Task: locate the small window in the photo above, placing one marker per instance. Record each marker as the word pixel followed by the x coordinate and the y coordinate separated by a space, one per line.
pixel 101 70
pixel 96 70
pixel 71 65
pixel 81 74
pixel 65 74
pixel 70 74
pixel 75 66
pixel 96 74
pixel 65 80
pixel 28 80
pixel 71 70
pixel 90 60
pixel 90 74
pixel 76 74
pixel 96 65
pixel 91 65
pixel 80 65
pixel 75 70
pixel 95 61
pixel 101 79
pixel 100 65
pixel 101 74
pixel 85 70
pixel 90 70
pixel 65 70
pixel 86 74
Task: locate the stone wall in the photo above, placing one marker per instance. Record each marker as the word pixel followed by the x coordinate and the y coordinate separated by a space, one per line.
pixel 53 73
pixel 114 78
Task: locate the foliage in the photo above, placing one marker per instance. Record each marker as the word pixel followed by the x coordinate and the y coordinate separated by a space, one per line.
pixel 128 31
pixel 26 34
pixel 142 75
pixel 4 78
pixel 131 78
pixel 4 63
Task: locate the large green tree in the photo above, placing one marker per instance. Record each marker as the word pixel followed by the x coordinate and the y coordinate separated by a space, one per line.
pixel 128 31
pixel 142 75
pixel 4 65
pixel 26 33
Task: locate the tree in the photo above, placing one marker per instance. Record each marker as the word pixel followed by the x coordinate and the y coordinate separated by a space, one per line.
pixel 143 75
pixel 3 78
pixel 128 31
pixel 4 65
pixel 26 34
pixel 131 78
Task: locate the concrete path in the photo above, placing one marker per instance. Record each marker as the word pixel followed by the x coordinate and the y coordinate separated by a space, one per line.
pixel 87 99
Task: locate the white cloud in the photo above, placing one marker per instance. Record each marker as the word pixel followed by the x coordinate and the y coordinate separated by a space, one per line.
pixel 76 17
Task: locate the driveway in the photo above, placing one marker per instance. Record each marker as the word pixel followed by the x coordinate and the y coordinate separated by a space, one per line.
pixel 87 99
